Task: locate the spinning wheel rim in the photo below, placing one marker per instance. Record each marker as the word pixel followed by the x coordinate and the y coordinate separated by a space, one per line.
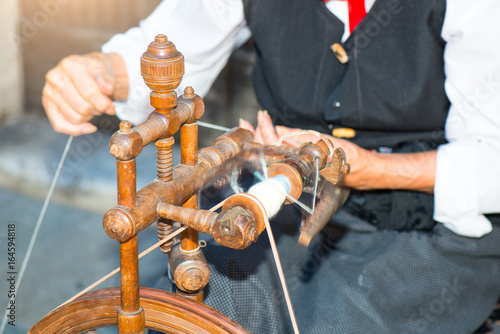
pixel 164 311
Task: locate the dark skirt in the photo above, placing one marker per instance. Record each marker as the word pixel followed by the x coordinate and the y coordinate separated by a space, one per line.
pixel 356 278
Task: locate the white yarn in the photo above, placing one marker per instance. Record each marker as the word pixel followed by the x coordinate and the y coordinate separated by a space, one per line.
pixel 233 182
pixel 271 193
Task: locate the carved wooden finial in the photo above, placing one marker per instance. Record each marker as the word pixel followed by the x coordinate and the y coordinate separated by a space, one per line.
pixel 162 68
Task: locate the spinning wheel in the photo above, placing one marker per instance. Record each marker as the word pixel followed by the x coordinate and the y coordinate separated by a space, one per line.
pixel 165 312
pixel 172 197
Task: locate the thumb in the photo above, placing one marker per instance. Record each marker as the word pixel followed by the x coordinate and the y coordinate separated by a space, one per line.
pixel 246 125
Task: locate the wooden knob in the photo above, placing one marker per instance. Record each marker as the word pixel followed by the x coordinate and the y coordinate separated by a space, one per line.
pixel 162 68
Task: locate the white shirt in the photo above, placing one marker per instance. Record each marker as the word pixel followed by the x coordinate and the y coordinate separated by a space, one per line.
pixel 468 167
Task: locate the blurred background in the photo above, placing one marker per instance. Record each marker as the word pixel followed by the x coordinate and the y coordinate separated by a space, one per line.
pixel 72 250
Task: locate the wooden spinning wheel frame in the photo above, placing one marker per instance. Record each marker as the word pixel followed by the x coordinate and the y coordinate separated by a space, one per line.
pixel 172 196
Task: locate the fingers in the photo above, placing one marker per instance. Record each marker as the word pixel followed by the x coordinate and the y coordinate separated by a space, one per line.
pixel 265 129
pixel 266 133
pixel 54 99
pixel 75 91
pixel 256 134
pixel 61 124
pixel 60 89
pixel 82 73
pixel 246 125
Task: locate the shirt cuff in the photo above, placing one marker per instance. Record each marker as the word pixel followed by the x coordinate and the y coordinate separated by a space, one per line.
pixel 456 191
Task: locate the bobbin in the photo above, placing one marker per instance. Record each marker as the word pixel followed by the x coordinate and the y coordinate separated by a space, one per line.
pixel 293 176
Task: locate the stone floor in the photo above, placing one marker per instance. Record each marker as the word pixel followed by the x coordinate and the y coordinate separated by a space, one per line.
pixel 71 251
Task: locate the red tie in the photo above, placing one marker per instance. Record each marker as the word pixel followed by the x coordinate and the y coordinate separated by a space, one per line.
pixel 356 12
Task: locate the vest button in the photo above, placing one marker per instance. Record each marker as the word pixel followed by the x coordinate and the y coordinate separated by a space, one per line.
pixel 340 53
pixel 344 133
pixel 330 126
pixel 336 104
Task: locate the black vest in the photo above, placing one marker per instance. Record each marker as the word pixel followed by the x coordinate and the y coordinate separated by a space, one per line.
pixel 392 89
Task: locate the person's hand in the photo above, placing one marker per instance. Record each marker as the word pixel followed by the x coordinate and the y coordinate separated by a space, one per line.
pixel 369 170
pixel 372 170
pixel 266 133
pixel 357 157
pixel 81 87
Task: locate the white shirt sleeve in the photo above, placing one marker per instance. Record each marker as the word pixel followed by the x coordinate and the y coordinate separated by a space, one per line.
pixel 204 31
pixel 468 167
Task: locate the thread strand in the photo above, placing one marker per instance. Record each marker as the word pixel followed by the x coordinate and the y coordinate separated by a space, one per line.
pixel 38 224
pixel 144 253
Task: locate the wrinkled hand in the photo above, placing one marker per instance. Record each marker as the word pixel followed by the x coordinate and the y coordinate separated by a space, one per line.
pixel 357 157
pixel 369 170
pixel 79 88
